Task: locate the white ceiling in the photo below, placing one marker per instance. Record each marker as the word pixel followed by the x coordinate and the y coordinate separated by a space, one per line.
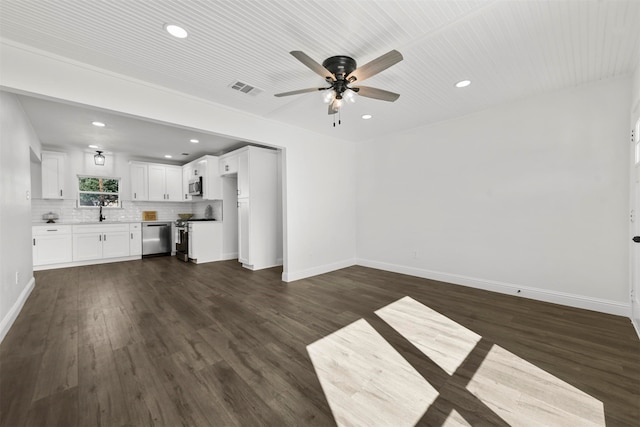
pixel 509 49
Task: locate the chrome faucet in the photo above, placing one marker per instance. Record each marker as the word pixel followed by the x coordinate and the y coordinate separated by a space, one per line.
pixel 102 218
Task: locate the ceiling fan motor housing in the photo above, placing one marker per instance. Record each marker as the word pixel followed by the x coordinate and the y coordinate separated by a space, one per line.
pixel 340 66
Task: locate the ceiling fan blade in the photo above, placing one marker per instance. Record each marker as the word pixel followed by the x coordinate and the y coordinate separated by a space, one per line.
pixel 377 65
pixel 299 91
pixel 375 93
pixel 313 65
pixel 333 107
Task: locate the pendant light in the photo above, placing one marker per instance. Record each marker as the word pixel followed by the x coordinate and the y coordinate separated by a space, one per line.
pixel 99 158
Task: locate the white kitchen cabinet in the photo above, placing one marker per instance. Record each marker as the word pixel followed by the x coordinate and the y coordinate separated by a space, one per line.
pixel 205 241
pixel 87 246
pixel 244 173
pixel 207 168
pixel 228 164
pixel 52 244
pixel 135 242
pixel 258 200
pixel 187 170
pixel 53 171
pixel 99 241
pixel 212 182
pixel 244 230
pixel 139 181
pixel 165 183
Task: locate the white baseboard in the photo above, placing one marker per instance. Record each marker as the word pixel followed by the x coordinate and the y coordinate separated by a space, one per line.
pixel 81 263
pixel 229 255
pixel 11 316
pixel 571 300
pixel 289 276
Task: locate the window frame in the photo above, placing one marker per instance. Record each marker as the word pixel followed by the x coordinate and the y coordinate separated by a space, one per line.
pixel 118 194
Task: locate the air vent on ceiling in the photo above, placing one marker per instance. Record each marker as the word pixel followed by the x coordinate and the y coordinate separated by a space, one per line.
pixel 245 88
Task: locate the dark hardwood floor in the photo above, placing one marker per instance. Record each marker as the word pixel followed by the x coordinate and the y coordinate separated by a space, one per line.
pixel 161 342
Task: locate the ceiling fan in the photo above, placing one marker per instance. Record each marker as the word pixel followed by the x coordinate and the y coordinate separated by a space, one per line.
pixel 342 71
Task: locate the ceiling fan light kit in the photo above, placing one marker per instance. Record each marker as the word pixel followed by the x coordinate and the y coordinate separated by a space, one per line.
pixel 340 72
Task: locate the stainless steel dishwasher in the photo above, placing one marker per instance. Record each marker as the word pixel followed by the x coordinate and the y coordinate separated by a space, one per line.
pixel 156 238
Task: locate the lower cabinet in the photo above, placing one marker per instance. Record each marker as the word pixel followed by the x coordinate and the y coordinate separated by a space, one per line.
pixel 135 241
pixel 100 241
pixel 51 244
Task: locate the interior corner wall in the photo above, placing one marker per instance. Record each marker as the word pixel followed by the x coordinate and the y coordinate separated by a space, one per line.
pixel 528 198
pixel 16 271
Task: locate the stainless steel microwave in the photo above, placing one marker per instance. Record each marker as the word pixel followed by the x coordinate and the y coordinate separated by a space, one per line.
pixel 195 186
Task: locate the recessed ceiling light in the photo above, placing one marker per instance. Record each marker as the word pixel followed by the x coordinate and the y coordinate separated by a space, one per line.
pixel 463 83
pixel 168 156
pixel 366 116
pixel 195 141
pixel 98 124
pixel 94 146
pixel 176 31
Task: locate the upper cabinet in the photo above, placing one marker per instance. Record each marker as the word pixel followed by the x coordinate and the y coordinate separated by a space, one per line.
pixel 229 164
pixel 165 183
pixel 53 171
pixel 207 168
pixel 139 181
pixel 187 171
pixel 156 182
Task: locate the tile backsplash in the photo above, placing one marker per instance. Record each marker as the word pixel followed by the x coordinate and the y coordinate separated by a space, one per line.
pixel 130 211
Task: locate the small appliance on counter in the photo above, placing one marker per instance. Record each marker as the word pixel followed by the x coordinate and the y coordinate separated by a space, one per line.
pixel 50 217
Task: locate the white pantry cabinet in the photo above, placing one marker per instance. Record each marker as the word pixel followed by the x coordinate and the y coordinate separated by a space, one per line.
pixel 53 171
pixel 258 200
pixel 98 241
pixel 51 244
pixel 165 183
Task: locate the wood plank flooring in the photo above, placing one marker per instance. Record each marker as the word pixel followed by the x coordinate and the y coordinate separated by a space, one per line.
pixel 158 342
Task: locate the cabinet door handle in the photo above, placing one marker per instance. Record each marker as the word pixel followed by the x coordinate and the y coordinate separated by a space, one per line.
pixel 185 196
pixel 105 237
pixel 135 195
pixel 60 193
pixel 226 168
pixel 131 236
pixel 100 237
pixel 34 242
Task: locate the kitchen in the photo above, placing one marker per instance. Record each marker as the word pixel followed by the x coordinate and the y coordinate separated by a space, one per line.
pixel 221 224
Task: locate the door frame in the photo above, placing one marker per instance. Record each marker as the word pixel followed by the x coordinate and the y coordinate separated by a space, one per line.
pixel 634 227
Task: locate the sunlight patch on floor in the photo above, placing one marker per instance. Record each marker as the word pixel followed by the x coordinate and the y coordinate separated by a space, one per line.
pixel 366 381
pixel 439 338
pixel 523 394
pixel 455 420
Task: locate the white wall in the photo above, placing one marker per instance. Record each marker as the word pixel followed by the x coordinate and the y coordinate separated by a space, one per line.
pixel 529 196
pixel 319 173
pixel 16 141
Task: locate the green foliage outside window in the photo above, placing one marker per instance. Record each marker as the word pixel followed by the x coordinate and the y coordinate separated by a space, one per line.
pixel 95 191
